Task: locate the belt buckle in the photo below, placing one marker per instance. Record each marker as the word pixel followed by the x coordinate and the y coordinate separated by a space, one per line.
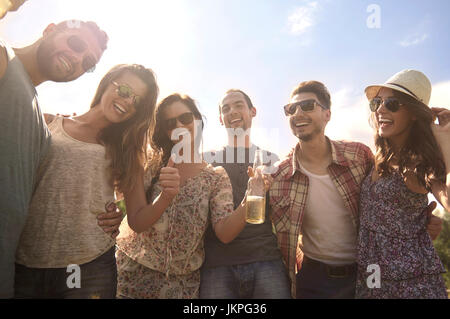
pixel 337 272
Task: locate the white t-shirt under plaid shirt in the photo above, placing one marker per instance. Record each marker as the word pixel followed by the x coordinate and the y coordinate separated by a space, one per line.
pixel 351 162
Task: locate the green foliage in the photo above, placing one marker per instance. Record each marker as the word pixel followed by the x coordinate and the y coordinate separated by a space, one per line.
pixel 442 245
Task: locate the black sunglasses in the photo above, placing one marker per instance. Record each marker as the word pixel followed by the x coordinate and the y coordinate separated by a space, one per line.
pixel 185 119
pixel 77 45
pixel 306 106
pixel 391 103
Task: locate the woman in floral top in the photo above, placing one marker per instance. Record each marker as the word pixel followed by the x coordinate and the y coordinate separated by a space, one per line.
pixel 412 159
pixel 161 243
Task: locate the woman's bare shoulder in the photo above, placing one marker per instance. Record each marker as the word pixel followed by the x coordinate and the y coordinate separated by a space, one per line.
pixel 49 118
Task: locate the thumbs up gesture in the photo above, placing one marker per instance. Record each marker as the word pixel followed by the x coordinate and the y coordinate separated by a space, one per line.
pixel 169 179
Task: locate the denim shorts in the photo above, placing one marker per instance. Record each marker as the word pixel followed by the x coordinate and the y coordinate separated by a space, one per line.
pixel 97 280
pixel 258 280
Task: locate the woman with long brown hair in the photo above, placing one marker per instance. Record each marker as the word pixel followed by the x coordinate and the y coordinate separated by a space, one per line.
pixel 161 247
pixel 412 159
pixel 89 156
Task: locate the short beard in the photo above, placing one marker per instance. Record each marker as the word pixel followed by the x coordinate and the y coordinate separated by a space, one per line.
pixel 43 54
pixel 45 60
pixel 310 136
pixel 305 138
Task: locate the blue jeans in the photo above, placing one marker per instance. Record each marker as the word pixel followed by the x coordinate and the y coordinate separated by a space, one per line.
pixel 98 280
pixel 315 282
pixel 258 280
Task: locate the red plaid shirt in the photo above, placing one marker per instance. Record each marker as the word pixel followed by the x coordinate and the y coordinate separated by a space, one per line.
pixel 351 162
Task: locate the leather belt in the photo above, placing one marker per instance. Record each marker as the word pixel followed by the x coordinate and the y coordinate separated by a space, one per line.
pixel 333 271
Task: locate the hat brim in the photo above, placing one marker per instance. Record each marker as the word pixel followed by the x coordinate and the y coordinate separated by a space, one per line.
pixel 372 91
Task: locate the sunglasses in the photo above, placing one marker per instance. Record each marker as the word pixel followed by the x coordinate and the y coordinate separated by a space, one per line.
pixel 185 119
pixel 125 91
pixel 306 106
pixel 79 46
pixel 391 103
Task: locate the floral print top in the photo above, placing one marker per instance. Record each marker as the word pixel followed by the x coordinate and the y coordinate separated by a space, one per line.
pixel 174 244
pixel 393 235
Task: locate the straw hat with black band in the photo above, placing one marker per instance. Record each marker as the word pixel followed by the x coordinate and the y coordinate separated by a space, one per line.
pixel 410 82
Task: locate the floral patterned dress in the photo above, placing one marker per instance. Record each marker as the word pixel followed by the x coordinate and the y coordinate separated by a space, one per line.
pixel 393 236
pixel 164 261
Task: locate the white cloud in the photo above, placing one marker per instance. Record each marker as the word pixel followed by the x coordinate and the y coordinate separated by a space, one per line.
pixel 418 33
pixel 440 96
pixel 303 18
pixel 414 39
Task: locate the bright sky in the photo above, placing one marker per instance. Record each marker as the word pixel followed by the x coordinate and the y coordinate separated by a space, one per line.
pixel 264 47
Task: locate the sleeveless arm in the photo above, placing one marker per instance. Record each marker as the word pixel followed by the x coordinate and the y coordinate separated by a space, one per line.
pixel 3 60
pixel 227 224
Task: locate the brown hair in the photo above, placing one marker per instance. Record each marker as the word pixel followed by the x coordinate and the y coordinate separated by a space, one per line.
pixel 316 87
pixel 420 151
pixel 126 142
pixel 246 97
pixel 160 142
pixel 100 35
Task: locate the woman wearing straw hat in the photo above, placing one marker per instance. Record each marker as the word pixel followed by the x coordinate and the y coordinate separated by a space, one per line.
pixel 412 159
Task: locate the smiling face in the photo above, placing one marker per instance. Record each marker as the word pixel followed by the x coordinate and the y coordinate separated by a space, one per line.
pixel 64 55
pixel 116 107
pixel 307 125
pixel 394 126
pixel 235 112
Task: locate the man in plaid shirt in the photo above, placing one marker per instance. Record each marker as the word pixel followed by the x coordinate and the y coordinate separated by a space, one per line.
pixel 314 200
